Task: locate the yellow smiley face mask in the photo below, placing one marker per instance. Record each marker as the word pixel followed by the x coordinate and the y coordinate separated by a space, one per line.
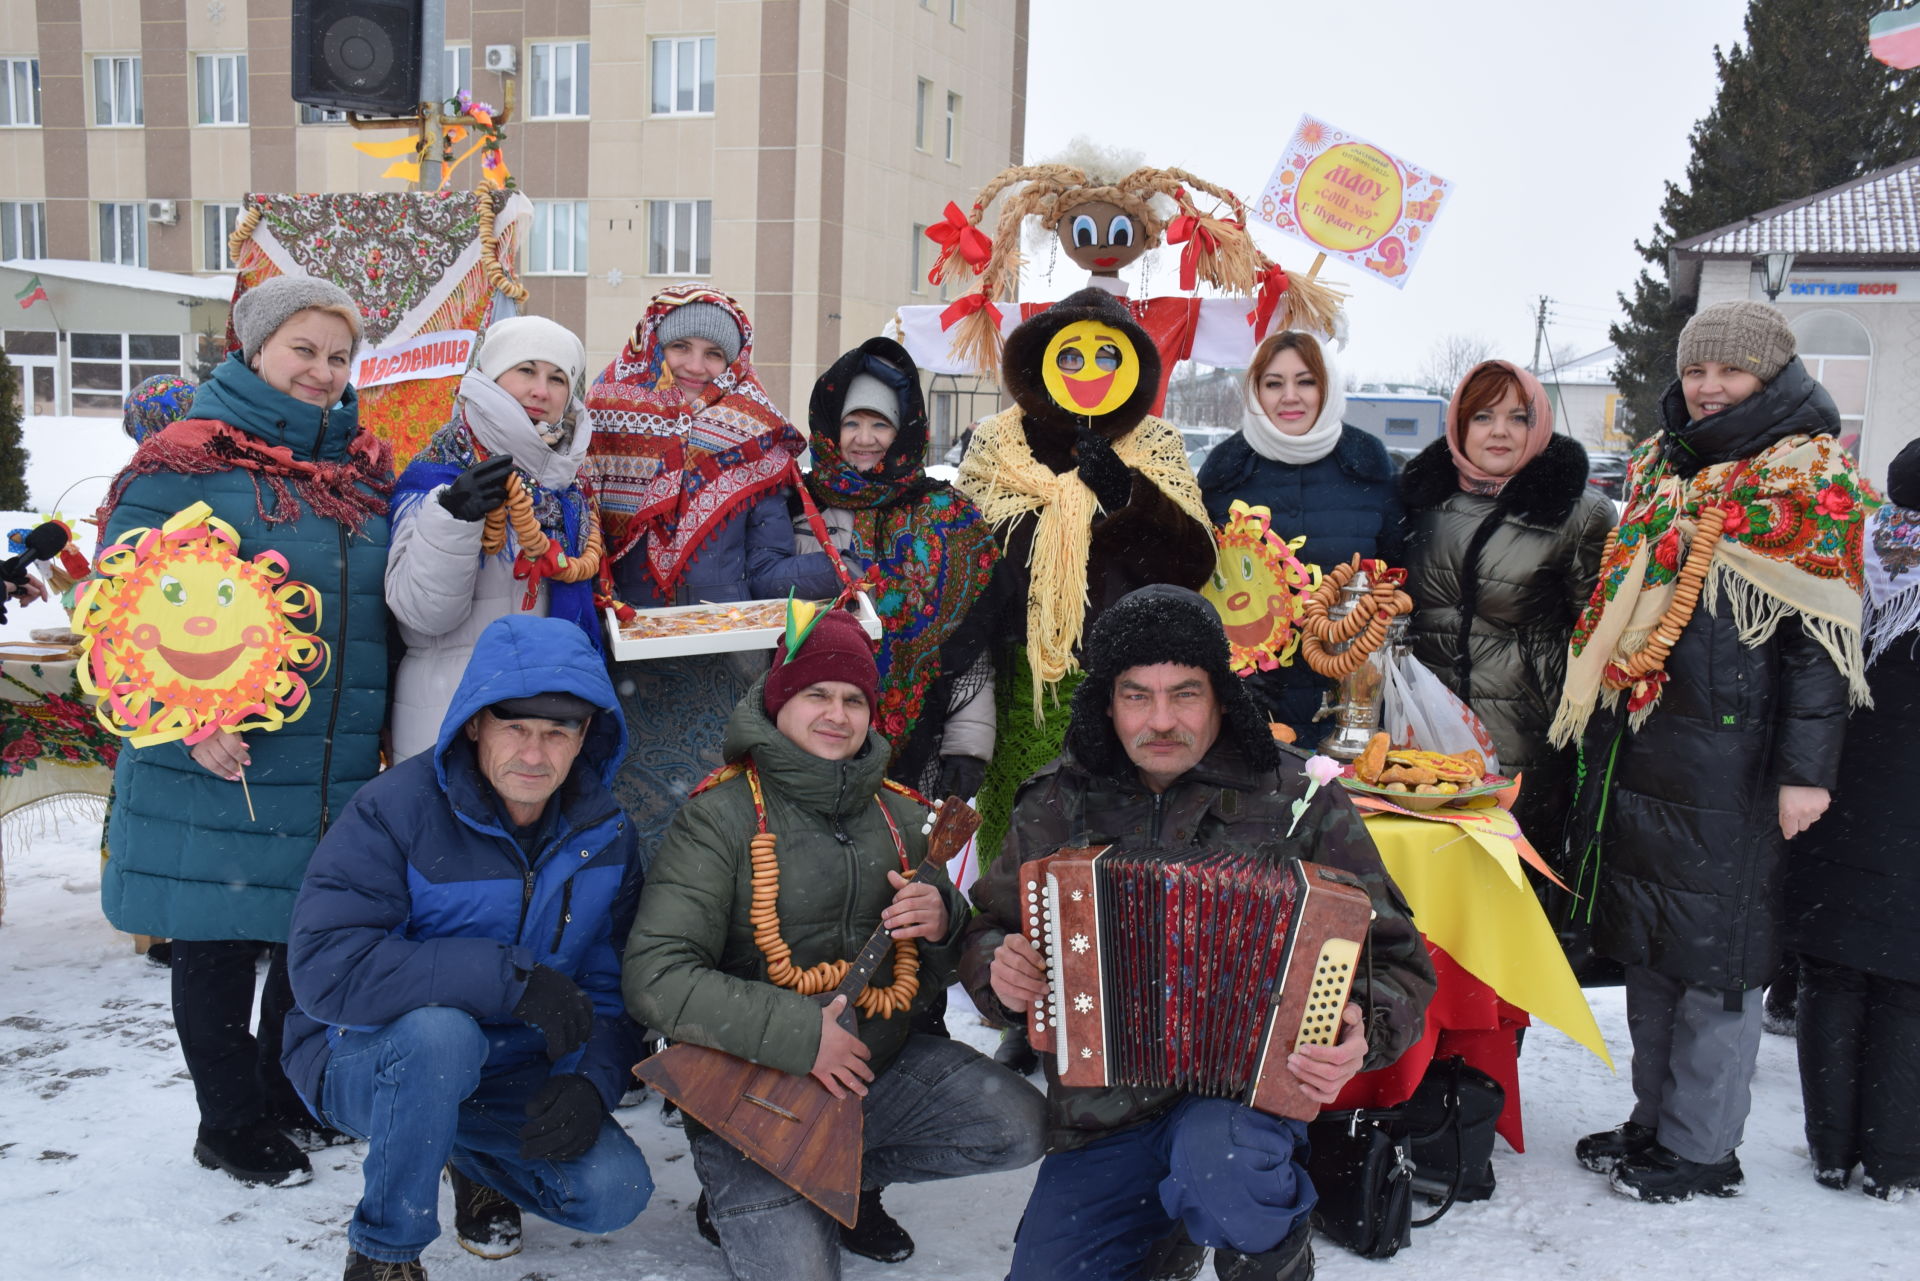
pixel 1090 368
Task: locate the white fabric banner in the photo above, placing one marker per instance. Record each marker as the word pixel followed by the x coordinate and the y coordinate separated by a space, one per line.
pixel 444 353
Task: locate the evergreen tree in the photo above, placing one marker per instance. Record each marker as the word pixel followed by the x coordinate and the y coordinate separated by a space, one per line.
pixel 1803 106
pixel 13 454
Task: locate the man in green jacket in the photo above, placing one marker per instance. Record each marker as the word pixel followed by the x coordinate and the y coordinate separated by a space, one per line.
pixel 1166 751
pixel 726 933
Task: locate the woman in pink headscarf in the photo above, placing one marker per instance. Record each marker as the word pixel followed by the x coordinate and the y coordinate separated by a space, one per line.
pixel 1503 547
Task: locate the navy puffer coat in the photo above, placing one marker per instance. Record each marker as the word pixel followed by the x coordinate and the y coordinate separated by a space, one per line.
pixel 1345 504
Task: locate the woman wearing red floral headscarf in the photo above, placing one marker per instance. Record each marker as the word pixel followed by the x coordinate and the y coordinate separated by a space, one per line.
pixel 690 458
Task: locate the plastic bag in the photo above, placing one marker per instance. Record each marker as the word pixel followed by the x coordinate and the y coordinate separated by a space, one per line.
pixel 1417 710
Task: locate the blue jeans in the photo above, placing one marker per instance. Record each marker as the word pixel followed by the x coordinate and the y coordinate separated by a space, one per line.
pixel 939 1111
pixel 415 1091
pixel 1230 1175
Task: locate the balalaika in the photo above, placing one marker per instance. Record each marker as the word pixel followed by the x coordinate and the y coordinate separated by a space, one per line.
pixel 1197 970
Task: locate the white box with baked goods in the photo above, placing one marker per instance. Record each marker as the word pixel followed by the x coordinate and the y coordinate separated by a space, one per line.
pixel 678 630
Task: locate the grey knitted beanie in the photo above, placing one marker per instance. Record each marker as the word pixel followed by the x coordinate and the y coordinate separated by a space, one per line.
pixel 701 320
pixel 270 304
pixel 1744 335
pixel 869 393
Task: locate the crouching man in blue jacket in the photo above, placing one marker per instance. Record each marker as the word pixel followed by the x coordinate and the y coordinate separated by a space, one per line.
pixel 456 960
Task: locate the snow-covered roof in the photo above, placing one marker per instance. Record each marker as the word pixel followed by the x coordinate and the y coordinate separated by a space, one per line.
pixel 1873 220
pixel 1594 367
pixel 1875 214
pixel 215 288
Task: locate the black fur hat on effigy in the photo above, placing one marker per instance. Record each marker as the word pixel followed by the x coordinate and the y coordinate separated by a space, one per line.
pixel 1161 623
pixel 1025 367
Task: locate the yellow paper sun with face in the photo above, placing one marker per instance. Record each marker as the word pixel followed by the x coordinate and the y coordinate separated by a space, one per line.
pixel 1259 587
pixel 183 637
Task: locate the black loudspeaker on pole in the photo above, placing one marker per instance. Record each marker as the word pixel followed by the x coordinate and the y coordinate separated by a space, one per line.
pixel 358 55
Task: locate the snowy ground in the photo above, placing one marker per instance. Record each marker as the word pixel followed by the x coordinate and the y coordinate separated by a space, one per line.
pixel 97 1180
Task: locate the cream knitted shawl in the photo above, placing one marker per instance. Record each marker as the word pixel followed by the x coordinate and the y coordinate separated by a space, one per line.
pixel 1004 479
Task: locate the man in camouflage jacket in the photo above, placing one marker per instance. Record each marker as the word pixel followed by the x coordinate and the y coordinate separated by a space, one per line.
pixel 1166 750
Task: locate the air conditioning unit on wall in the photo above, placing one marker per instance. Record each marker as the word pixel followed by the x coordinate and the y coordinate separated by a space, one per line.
pixel 501 58
pixel 166 212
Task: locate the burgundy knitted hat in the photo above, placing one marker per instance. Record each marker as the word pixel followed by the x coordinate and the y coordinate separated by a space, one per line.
pixel 837 649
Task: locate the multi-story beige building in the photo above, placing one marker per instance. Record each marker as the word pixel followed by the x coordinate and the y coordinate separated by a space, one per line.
pixel 788 150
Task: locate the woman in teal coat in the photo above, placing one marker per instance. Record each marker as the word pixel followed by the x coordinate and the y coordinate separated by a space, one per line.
pixel 275 447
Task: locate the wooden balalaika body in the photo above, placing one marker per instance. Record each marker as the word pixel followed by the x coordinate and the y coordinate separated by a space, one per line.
pixel 790 1125
pixel 1195 970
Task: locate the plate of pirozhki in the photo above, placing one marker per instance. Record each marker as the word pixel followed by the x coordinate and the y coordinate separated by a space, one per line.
pixel 1420 780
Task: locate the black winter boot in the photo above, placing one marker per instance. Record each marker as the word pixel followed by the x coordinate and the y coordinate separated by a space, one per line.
pixel 361 1268
pixel 485 1222
pixel 1173 1257
pixel 1605 1150
pixel 256 1154
pixel 1015 1052
pixel 1661 1176
pixel 1291 1260
pixel 875 1234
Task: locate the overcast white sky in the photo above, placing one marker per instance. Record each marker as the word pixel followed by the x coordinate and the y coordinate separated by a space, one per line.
pixel 1556 123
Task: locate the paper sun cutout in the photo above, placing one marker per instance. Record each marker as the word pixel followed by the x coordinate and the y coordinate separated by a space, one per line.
pixel 1259 587
pixel 182 637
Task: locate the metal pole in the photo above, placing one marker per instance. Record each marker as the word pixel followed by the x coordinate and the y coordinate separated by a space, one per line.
pixel 433 94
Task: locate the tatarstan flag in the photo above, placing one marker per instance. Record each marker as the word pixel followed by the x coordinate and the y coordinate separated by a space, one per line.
pixel 33 293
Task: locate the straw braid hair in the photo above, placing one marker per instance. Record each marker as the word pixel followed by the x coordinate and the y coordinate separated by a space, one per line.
pixel 1050 192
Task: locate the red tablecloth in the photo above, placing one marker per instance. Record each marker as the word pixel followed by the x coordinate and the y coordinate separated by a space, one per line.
pixel 1466 1018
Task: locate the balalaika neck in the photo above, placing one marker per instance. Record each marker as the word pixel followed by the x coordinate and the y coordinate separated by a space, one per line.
pixel 860 971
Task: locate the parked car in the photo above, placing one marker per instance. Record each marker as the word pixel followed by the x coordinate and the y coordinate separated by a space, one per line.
pixel 1200 442
pixel 1607 473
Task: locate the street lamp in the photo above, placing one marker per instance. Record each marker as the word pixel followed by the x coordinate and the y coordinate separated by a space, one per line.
pixel 1773 273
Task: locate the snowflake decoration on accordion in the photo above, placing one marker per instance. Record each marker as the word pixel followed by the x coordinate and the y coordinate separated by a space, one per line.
pixel 182 636
pixel 1083 1003
pixel 1259 588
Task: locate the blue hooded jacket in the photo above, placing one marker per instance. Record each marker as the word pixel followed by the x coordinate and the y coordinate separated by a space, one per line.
pixel 420 895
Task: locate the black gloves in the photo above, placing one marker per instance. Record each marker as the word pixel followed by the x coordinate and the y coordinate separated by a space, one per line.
pixel 1101 470
pixel 563 1119
pixel 555 1005
pixel 479 489
pixel 961 776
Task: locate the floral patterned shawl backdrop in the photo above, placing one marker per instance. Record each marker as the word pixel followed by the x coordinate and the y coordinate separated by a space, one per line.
pixel 418 263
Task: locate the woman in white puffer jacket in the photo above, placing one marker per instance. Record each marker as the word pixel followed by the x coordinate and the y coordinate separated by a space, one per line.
pixel 517 414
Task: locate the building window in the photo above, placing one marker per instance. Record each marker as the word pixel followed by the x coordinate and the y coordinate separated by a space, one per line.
pixel 1403 427
pixel 321 115
pixel 23 229
pixel 1838 352
pixel 559 238
pixel 456 70
pixel 105 367
pixel 559 82
pixel 922 91
pixel 19 92
pixel 123 235
pixel 953 125
pixel 116 92
pixel 917 282
pixel 683 76
pixel 217 223
pixel 953 12
pixel 221 80
pixel 678 236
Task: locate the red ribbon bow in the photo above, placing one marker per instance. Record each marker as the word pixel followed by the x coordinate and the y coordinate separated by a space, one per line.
pixel 1273 283
pixel 957 233
pixel 1189 230
pixel 965 306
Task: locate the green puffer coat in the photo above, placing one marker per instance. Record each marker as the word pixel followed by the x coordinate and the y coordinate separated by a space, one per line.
pixel 186 859
pixel 693 971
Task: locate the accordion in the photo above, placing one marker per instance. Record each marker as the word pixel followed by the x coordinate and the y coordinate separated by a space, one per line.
pixel 1195 970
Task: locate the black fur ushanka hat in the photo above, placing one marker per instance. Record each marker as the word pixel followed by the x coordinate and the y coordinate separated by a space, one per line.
pixel 1161 623
pixel 1026 349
